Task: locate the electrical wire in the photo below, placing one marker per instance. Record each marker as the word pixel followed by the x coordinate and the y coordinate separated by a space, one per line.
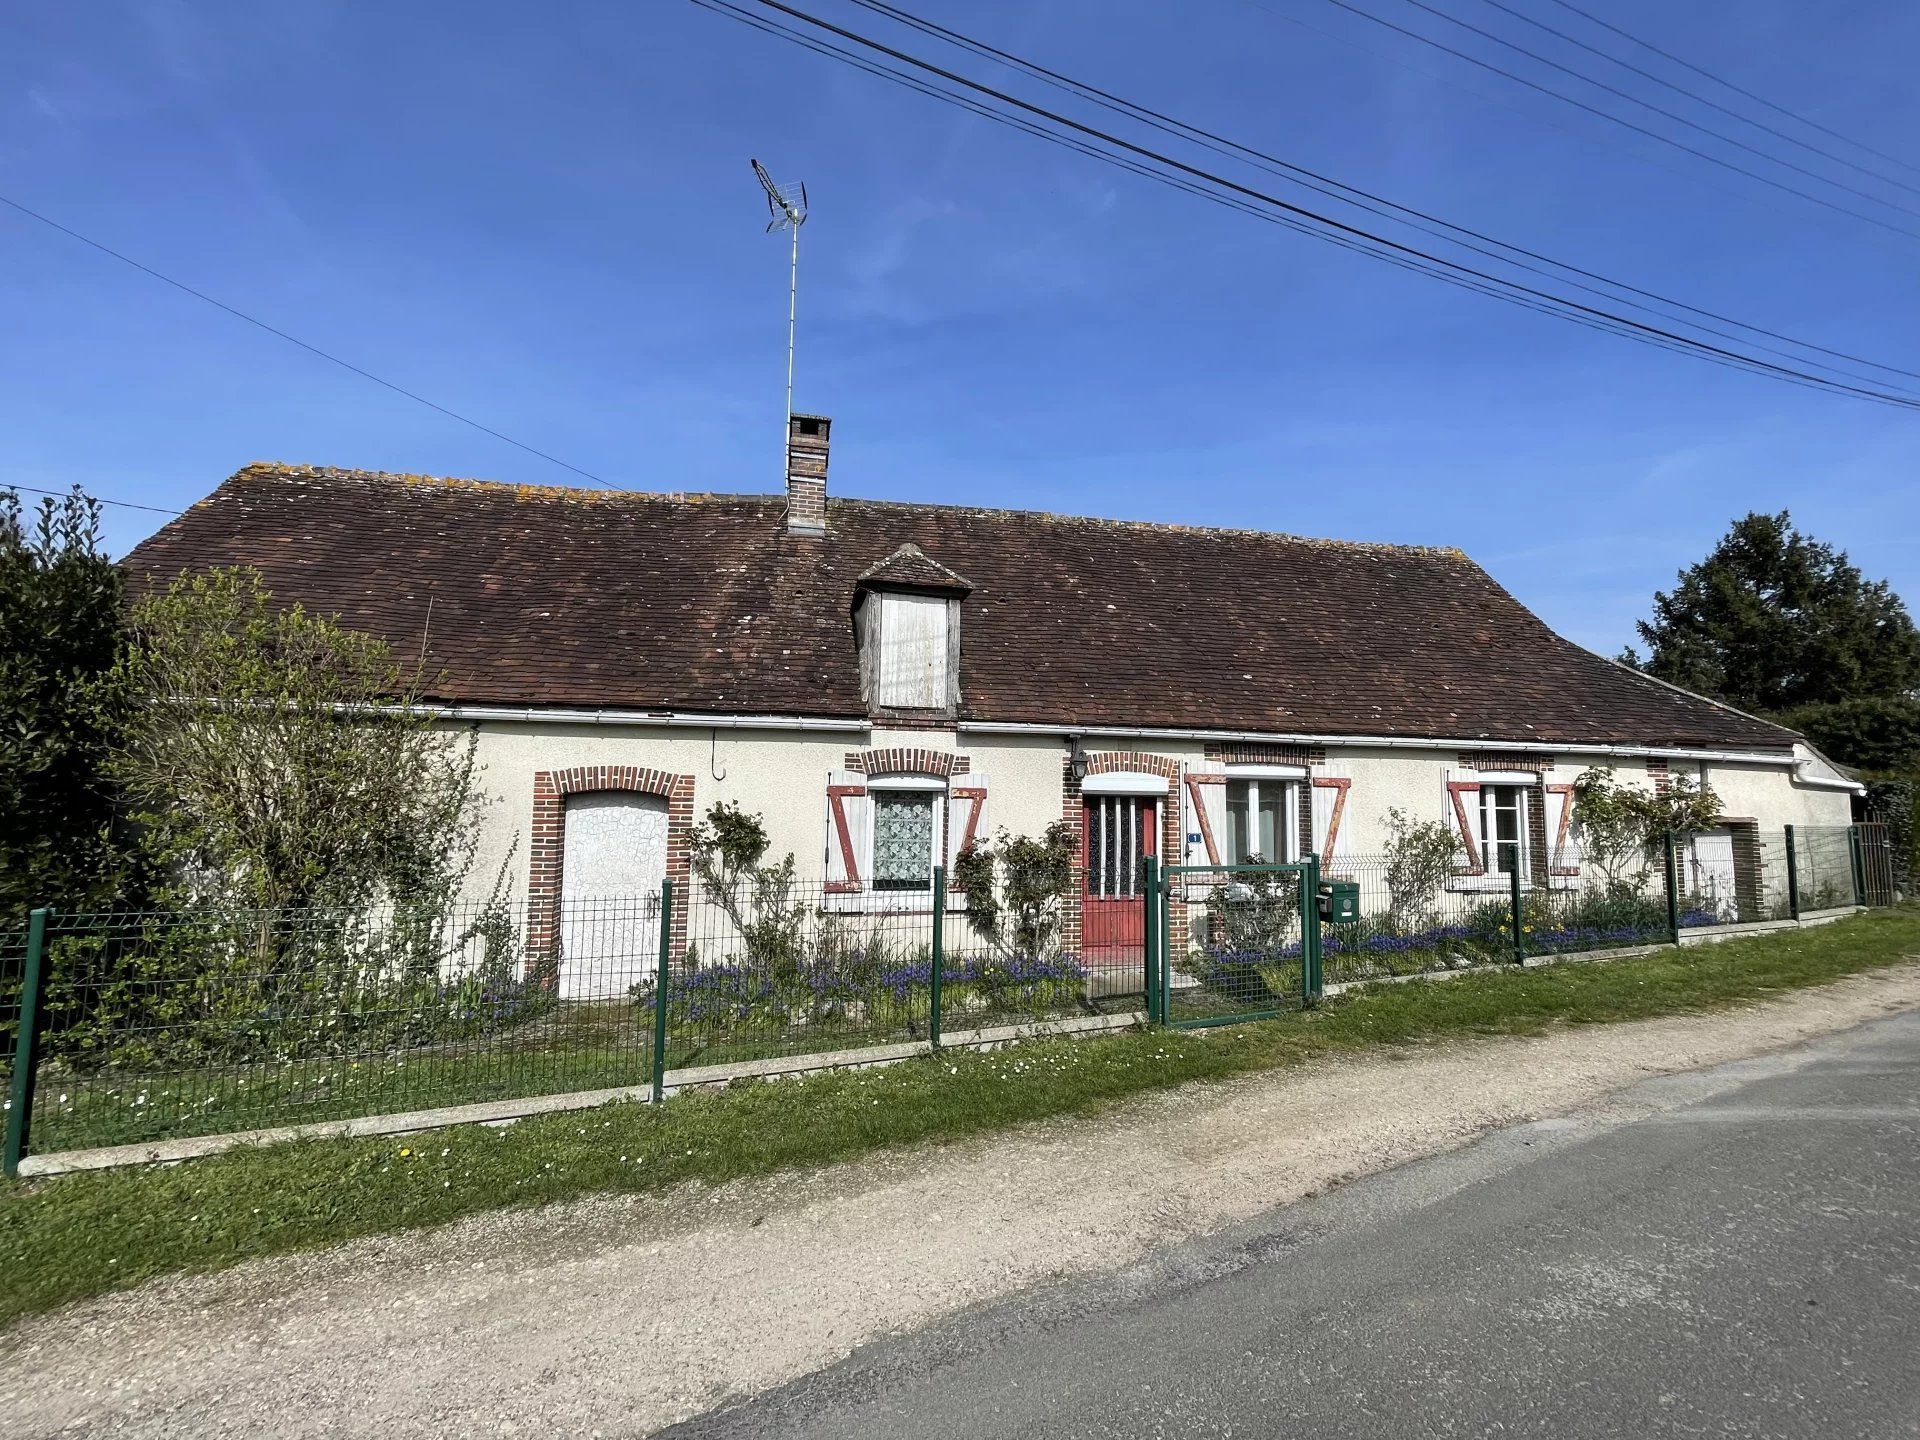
pixel 98 499
pixel 1270 207
pixel 296 340
pixel 1363 199
pixel 1620 120
pixel 1696 97
pixel 1738 90
pixel 1678 118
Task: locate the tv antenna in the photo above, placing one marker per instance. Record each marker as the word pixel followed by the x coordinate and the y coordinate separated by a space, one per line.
pixel 788 206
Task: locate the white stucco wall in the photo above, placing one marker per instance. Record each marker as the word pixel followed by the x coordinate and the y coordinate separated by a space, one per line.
pixel 782 775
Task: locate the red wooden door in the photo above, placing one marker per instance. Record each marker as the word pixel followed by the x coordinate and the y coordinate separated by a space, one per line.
pixel 1116 833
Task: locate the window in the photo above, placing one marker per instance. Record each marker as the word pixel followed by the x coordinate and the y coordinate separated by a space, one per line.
pixel 1120 832
pixel 1503 829
pixel 903 839
pixel 1263 819
pixel 912 672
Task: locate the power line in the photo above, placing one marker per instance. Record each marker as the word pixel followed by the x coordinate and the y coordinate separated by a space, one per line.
pixel 1582 134
pixel 1366 200
pixel 1351 237
pixel 97 499
pixel 1738 90
pixel 1619 120
pixel 1207 185
pixel 1633 99
pixel 296 340
pixel 1697 97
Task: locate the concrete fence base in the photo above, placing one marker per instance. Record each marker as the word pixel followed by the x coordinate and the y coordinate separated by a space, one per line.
pixel 496 1112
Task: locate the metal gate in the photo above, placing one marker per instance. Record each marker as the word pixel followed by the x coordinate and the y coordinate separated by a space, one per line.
pixel 1233 942
pixel 1877 883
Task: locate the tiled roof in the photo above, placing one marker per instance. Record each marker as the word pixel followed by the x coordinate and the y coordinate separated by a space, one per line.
pixel 559 597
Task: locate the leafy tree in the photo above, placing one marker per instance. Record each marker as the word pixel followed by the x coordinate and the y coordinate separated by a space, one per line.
pixel 1016 886
pixel 59 643
pixel 1773 619
pixel 1872 732
pixel 1621 825
pixel 280 759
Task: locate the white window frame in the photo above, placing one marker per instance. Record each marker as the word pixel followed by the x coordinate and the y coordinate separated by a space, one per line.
pixel 1495 877
pixel 1293 779
pixel 872 897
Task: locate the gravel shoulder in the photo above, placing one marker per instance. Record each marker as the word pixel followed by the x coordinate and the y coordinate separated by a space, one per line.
pixel 618 1316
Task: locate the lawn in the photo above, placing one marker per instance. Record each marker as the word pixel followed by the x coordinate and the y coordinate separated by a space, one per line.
pixel 65 1238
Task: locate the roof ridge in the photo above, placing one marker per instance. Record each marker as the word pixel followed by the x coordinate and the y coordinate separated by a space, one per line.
pixel 1166 526
pixel 285 470
pixel 586 495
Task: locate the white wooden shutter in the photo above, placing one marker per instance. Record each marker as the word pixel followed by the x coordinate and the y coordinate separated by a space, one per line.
pixel 849 837
pixel 1463 813
pixel 1203 786
pixel 1330 785
pixel 966 822
pixel 913 651
pixel 1563 846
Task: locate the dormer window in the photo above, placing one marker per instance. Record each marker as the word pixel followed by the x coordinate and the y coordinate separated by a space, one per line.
pixel 912 673
pixel 906 614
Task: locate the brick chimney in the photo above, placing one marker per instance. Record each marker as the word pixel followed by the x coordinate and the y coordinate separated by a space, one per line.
pixel 807 474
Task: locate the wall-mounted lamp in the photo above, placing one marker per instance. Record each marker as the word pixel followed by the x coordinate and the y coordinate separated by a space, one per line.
pixel 1077 759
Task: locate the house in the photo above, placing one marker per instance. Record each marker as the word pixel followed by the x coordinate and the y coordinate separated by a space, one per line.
pixel 883 682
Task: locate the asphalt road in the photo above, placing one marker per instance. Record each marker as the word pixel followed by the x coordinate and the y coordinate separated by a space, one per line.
pixel 1743 1260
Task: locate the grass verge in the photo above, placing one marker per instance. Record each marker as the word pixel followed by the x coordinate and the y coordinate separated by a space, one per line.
pixel 66 1238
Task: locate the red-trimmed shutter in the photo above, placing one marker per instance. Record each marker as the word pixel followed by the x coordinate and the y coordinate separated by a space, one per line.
pixel 1203 784
pixel 966 813
pixel 1463 813
pixel 849 831
pixel 1563 846
pixel 1328 789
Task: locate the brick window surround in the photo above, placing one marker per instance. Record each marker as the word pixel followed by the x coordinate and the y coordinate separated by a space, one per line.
pixel 548 859
pixel 1073 812
pixel 905 760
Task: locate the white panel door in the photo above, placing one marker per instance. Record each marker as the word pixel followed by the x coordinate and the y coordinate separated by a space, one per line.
pixel 614 859
pixel 1713 871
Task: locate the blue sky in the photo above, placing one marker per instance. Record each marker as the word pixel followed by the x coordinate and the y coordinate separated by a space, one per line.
pixel 542 217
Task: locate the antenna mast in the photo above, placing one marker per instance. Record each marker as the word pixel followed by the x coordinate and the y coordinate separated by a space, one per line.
pixel 788 206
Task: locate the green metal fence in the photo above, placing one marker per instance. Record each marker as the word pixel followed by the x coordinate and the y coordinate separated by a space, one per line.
pixel 168 1024
pixel 142 1026
pixel 808 969
pixel 1233 942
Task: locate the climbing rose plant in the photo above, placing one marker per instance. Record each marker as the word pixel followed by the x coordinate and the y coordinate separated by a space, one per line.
pixel 1016 888
pixel 1621 826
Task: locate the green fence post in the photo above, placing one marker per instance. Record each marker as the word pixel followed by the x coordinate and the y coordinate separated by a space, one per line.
pixel 1793 877
pixel 1857 854
pixel 1673 890
pixel 1519 935
pixel 1311 983
pixel 939 954
pixel 1151 922
pixel 1163 984
pixel 660 994
pixel 26 1046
